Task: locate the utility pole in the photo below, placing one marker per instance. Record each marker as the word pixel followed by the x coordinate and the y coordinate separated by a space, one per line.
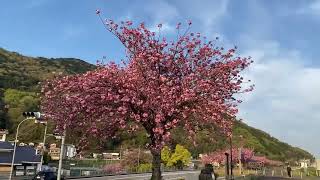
pixel 139 157
pixel 240 154
pixel 61 154
pixel 227 166
pixel 240 163
pixel 44 144
pixel 231 164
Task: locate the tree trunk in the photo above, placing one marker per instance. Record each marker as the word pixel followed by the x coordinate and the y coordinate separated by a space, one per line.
pixel 156 165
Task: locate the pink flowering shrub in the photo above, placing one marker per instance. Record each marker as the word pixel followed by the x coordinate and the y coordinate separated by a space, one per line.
pixel 219 156
pixel 113 168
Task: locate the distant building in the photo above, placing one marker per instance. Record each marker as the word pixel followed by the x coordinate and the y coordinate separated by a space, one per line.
pixel 96 155
pixel 54 152
pixel 69 151
pixel 26 159
pixel 111 156
pixel 3 135
pixel 304 163
pixel 318 166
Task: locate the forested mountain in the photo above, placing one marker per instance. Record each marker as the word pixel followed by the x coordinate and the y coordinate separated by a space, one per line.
pixel 19 87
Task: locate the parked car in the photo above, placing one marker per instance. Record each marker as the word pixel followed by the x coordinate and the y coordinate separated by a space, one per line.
pixel 46 175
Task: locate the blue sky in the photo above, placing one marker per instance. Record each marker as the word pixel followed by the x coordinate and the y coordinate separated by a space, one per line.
pixel 281 36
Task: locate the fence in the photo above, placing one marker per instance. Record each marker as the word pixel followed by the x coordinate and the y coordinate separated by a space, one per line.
pixel 297 173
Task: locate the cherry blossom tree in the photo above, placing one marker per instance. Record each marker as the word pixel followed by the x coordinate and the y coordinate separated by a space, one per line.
pixel 219 156
pixel 247 156
pixel 265 161
pixel 163 84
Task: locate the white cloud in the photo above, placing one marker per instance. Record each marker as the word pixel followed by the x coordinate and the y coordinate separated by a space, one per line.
pixel 312 8
pixel 209 13
pixel 286 100
pixel 166 28
pixel 161 11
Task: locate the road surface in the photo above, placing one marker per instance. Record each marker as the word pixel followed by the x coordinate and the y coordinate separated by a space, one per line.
pixel 187 175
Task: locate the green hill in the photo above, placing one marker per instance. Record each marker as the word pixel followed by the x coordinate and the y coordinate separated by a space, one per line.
pixel 19 86
pixel 264 144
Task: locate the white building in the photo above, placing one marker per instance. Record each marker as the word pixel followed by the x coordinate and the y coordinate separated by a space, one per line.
pixel 318 164
pixel 3 135
pixel 70 151
pixel 304 163
pixel 111 156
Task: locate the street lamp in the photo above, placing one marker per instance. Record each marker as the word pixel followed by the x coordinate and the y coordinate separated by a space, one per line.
pixel 15 145
pixel 29 116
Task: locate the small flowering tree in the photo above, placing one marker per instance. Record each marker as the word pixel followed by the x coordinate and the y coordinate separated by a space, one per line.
pixel 188 82
pixel 247 157
pixel 219 156
pixel 265 161
pixel 113 168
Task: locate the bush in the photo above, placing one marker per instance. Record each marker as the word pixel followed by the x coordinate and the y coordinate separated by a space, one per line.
pixel 132 159
pixel 145 167
pixel 113 168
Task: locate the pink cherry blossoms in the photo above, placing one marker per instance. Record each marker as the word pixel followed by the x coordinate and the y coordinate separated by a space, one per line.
pixel 219 156
pixel 188 82
pixel 247 156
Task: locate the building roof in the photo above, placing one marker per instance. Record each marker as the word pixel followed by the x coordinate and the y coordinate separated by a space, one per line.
pixel 4 131
pixel 6 146
pixel 24 154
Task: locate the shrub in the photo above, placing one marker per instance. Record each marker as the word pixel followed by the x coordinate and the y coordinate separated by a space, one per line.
pixel 145 167
pixel 113 168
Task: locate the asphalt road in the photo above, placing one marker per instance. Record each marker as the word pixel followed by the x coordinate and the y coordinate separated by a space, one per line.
pixel 187 175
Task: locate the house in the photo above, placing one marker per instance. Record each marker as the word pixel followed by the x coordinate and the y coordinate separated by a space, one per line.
pixel 304 163
pixel 26 159
pixel 69 151
pixel 54 152
pixel 96 155
pixel 111 156
pixel 3 134
pixel 317 163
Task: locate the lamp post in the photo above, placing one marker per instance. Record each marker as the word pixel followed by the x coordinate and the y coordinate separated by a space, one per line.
pixel 15 146
pixel 29 116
